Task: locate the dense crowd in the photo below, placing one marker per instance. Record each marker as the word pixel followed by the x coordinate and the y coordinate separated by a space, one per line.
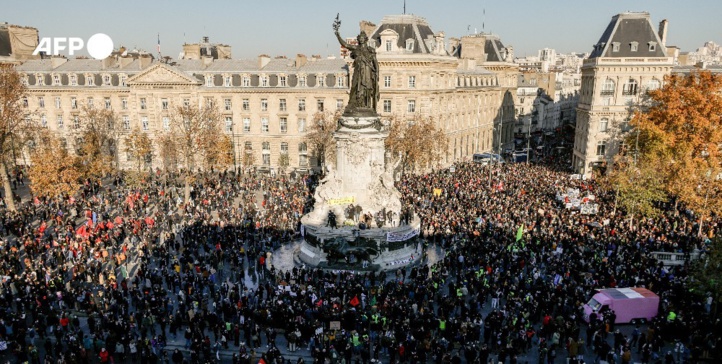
pixel 118 272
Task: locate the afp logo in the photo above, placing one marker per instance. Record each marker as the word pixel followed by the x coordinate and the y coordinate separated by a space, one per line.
pixel 99 45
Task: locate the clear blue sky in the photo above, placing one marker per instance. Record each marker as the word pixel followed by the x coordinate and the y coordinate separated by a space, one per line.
pixel 288 27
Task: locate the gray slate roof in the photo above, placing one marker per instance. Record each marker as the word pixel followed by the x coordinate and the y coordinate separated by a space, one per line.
pixel 408 27
pixel 624 29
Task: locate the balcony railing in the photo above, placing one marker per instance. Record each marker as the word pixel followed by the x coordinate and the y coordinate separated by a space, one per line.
pixel 607 93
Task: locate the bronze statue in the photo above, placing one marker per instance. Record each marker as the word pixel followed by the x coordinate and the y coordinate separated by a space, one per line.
pixel 365 82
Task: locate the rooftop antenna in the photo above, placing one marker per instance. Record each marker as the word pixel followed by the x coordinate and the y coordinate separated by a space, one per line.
pixel 404 7
pixel 483 20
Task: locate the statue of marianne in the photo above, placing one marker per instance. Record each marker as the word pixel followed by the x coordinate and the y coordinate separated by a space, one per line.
pixel 365 82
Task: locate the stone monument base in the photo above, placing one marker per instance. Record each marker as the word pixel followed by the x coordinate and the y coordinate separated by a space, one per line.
pixel 349 248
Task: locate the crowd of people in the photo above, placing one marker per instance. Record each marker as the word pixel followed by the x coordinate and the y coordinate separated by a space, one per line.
pixel 139 274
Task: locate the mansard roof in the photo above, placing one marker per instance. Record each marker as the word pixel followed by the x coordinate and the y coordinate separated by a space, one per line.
pixel 407 27
pixel 626 29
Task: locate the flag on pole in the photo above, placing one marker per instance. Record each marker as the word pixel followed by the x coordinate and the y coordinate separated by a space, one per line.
pixel 159 43
pixel 520 232
pixel 354 301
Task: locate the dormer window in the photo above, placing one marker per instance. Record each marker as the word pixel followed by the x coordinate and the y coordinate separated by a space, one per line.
pixel 410 45
pixel 388 46
pixel 106 80
pixel 89 80
pixel 209 81
pixel 615 46
pixel 56 80
pixel 652 46
pixel 633 46
pixel 73 80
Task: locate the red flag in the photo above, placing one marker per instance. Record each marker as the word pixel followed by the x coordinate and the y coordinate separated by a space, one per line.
pixel 354 301
pixel 319 303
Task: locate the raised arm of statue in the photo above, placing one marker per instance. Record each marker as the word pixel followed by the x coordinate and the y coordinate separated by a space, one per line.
pixel 336 26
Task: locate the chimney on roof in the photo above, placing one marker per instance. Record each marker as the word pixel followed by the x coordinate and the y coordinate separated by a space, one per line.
pixel 56 61
pixel 124 61
pixel 144 61
pixel 663 31
pixel 107 62
pixel 263 60
pixel 301 60
pixel 207 60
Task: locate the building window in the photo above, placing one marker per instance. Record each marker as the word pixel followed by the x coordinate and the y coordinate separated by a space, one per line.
pixel 26 103
pixel 124 103
pixel 603 124
pixel 340 81
pixel 653 84
pixel 301 125
pixel 89 80
pixel 601 148
pixel 266 152
pixel 264 104
pixel 60 121
pixel 142 103
pixel 387 81
pixel 186 103
pixel 264 81
pixel 40 79
pixel 633 46
pixel 107 103
pixel 302 155
pixel 57 102
pixel 282 81
pixel 319 105
pixel 229 124
pixel 56 80
pixel 411 108
pixel 73 80
pixel 209 81
pixel 144 122
pixel 388 46
pixel 246 125
pixel 387 105
pixel 164 104
pixel 339 104
pixel 630 88
pixel 90 103
pixel 321 80
pixel 248 147
pixel 227 81
pixel 227 104
pixel 652 46
pixel 166 123
pixel 283 124
pixel 282 105
pixel 608 87
pixel 41 102
pixel 209 102
pixel 106 80
pixel 264 125
pixel 43 121
pixel 246 105
pixel 246 81
pixel 410 45
pixel 126 122
pixel 76 122
pixel 302 105
pixel 123 78
pixel 301 81
pixel 615 46
pixel 412 81
pixel 284 148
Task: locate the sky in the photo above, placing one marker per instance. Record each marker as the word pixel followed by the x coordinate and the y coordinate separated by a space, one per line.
pixel 289 27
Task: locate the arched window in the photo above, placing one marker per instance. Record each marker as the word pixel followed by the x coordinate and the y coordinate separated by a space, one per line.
pixel 608 87
pixel 653 84
pixel 630 88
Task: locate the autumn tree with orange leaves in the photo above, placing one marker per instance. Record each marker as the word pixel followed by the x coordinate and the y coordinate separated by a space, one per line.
pixel 14 123
pixel 53 171
pixel 418 142
pixel 680 133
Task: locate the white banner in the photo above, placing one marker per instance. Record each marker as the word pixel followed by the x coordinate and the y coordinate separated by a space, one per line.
pixel 589 209
pixel 392 237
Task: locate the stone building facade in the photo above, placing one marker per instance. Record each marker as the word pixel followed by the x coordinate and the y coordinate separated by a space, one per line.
pixel 629 59
pixel 267 104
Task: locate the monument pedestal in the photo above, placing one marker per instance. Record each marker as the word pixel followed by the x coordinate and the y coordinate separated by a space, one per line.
pixel 361 178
